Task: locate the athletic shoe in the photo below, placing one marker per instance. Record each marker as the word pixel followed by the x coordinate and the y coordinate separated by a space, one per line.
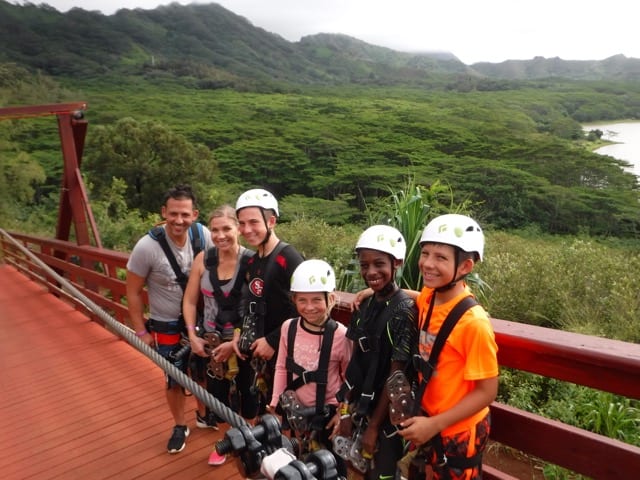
pixel 207 421
pixel 178 439
pixel 216 459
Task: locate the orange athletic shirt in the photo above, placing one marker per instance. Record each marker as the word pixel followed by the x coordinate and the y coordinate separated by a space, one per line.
pixel 469 354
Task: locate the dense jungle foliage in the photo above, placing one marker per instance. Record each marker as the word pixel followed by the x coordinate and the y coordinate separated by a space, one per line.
pixel 340 155
pixel 518 154
pixel 354 142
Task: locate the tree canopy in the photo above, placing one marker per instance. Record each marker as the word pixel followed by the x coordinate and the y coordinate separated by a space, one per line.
pixel 148 157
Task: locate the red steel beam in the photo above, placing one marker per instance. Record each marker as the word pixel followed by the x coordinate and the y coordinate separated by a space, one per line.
pixel 8 113
pixel 74 205
pixel 72 202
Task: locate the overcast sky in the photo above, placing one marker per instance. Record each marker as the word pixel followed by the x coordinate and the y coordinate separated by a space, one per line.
pixel 473 30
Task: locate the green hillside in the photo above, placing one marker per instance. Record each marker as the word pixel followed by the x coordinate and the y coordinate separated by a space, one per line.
pixel 219 48
pixel 206 42
pixel 330 122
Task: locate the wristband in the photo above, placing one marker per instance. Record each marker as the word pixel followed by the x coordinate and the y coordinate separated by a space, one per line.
pixel 141 333
pixel 344 409
pixel 191 328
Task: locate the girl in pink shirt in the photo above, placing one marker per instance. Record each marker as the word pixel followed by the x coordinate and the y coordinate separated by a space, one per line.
pixel 312 357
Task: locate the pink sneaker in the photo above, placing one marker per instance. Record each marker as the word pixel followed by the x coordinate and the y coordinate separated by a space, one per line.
pixel 216 459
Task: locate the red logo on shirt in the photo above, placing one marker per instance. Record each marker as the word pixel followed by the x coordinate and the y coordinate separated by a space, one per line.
pixel 257 287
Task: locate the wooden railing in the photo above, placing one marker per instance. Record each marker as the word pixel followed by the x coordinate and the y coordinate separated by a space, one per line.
pixel 98 273
pixel 603 364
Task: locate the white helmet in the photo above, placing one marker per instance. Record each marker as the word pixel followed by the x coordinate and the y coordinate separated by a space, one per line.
pixel 258 197
pixel 384 239
pixel 313 276
pixel 456 230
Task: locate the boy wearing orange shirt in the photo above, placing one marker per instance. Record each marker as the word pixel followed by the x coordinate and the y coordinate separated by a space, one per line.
pixel 453 426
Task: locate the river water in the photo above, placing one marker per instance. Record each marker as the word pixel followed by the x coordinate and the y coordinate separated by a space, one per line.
pixel 627 138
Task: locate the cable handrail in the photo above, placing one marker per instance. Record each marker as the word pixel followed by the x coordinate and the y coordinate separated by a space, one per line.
pixel 603 364
pixel 129 336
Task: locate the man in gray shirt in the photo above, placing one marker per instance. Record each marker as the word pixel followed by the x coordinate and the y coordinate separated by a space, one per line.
pixel 149 265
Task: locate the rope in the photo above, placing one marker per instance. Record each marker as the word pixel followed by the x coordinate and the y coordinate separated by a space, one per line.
pixel 128 334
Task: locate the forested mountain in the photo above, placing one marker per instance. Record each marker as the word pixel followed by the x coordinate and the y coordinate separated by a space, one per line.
pixel 218 48
pixel 617 67
pixel 330 124
pixel 207 42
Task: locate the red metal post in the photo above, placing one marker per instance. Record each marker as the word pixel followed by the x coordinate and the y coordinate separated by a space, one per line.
pixel 74 203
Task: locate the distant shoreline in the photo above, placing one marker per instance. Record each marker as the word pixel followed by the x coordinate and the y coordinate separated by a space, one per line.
pixel 621 143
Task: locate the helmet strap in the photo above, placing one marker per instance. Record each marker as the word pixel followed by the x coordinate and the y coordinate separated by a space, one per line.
pixel 387 290
pixel 455 279
pixel 446 287
pixel 311 326
pixel 263 244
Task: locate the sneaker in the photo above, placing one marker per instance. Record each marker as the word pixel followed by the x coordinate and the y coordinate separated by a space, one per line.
pixel 206 421
pixel 216 459
pixel 178 439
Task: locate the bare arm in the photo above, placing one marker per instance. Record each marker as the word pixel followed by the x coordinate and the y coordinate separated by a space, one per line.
pixel 262 349
pixel 135 302
pixel 412 293
pixel 421 429
pixel 362 295
pixel 190 304
pixel 379 415
pixel 192 292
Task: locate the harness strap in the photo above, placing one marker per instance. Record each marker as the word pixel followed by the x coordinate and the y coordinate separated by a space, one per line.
pixel 170 328
pixel 372 345
pixel 427 368
pixel 353 377
pixel 258 305
pixel 211 264
pixel 318 376
pixel 304 376
pixel 195 236
pixel 460 463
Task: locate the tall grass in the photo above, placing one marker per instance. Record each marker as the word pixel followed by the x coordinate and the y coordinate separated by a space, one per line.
pixel 578 284
pixel 409 210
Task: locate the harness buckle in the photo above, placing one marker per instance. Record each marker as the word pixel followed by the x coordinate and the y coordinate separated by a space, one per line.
pixel 368 396
pixel 416 360
pixel 391 433
pixel 363 343
pixel 304 377
pixel 442 462
pixel 252 308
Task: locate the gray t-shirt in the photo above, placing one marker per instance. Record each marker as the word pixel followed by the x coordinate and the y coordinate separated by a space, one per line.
pixel 148 260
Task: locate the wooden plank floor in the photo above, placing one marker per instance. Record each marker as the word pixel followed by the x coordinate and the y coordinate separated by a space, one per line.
pixel 78 403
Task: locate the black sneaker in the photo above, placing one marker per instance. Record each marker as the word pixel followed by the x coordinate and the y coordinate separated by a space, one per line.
pixel 178 439
pixel 207 421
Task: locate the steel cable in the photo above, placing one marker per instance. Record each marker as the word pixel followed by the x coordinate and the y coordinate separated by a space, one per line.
pixel 128 334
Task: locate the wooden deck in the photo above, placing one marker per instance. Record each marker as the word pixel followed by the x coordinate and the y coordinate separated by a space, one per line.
pixel 76 402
